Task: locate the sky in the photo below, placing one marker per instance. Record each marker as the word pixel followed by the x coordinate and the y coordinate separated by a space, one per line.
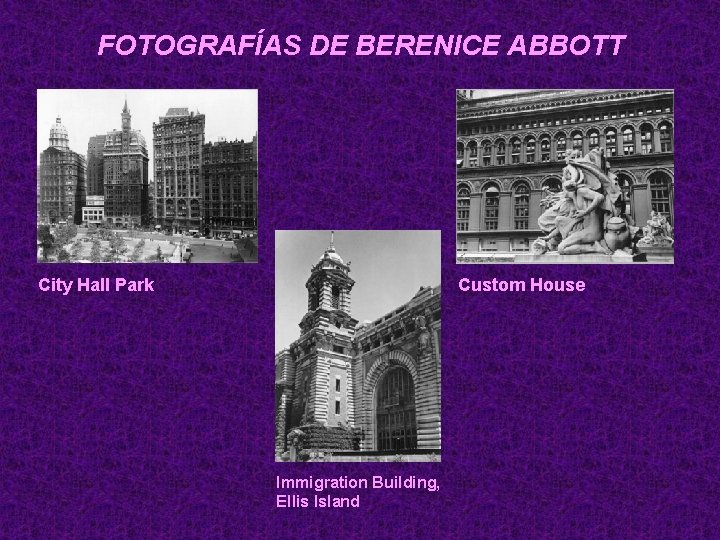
pixel 232 114
pixel 388 268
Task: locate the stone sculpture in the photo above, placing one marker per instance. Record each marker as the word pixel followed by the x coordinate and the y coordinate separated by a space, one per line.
pixel 588 215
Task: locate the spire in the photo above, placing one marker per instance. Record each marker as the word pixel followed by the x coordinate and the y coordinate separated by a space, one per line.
pixel 332 241
pixel 125 108
pixel 126 117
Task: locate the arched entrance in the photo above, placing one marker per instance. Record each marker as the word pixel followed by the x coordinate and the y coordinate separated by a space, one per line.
pixel 395 409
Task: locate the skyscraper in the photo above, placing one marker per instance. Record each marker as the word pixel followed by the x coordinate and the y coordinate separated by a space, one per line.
pixel 230 186
pixel 178 139
pixel 95 175
pixel 125 171
pixel 61 180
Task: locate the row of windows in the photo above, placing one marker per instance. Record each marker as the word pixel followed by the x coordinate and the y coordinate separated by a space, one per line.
pixel 660 201
pixel 568 120
pixel 530 149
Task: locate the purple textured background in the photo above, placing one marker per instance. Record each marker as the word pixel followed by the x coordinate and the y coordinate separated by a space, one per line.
pixel 151 416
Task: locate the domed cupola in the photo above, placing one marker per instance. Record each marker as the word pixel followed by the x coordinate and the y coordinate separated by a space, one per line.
pixel 59 135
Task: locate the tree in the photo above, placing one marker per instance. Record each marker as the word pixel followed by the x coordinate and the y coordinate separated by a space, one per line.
pixel 64 234
pixel 118 247
pixel 159 253
pixel 46 240
pixel 75 250
pixel 96 252
pixel 137 252
pixel 63 255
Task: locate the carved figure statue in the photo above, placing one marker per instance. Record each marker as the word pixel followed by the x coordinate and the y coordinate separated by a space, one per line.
pixel 658 232
pixel 588 212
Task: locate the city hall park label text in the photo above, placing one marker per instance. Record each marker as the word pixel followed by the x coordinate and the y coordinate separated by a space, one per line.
pixel 87 285
pixel 531 285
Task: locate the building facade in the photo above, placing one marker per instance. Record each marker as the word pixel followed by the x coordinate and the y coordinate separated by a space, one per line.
pixel 93 213
pixel 178 139
pixel 381 378
pixel 95 174
pixel 61 180
pixel 230 187
pixel 125 173
pixel 512 147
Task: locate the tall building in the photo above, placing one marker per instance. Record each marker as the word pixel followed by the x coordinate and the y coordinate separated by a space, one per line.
pixel 125 171
pixel 230 186
pixel 61 180
pixel 178 139
pixel 510 147
pixel 95 174
pixel 381 378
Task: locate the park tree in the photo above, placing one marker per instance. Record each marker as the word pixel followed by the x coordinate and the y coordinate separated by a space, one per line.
pixel 46 240
pixel 118 247
pixel 63 255
pixel 96 252
pixel 159 254
pixel 75 250
pixel 138 251
pixel 64 234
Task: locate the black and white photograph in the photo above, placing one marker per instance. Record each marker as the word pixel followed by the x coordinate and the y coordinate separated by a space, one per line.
pixel 359 380
pixel 565 176
pixel 147 176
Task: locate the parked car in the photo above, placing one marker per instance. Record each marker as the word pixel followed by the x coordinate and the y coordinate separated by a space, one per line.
pixel 187 254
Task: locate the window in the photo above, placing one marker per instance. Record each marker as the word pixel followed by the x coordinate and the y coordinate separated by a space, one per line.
pixel 628 141
pixel 500 154
pixel 492 208
pixel 660 194
pixel 545 149
pixel 515 150
pixel 337 406
pixel 666 142
pixel 594 139
pixel 577 141
pixel 560 146
pixel 646 139
pixel 521 202
pixel 463 207
pixel 611 142
pixel 335 297
pixel 473 152
pixel 487 153
pixel 530 150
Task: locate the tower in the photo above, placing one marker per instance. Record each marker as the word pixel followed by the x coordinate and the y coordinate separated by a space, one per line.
pixel 59 135
pixel 323 354
pixel 126 117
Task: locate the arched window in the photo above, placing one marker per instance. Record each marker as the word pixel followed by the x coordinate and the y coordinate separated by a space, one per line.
pixel 610 142
pixel 463 207
pixel 666 137
pixel 395 411
pixel 460 153
pixel 500 152
pixel 593 139
pixel 628 135
pixel 491 207
pixel 521 204
pixel 472 154
pixel 487 153
pixel 560 146
pixel 577 141
pixel 646 139
pixel 545 148
pixel 625 183
pixel 530 150
pixel 660 194
pixel 553 184
pixel 515 150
